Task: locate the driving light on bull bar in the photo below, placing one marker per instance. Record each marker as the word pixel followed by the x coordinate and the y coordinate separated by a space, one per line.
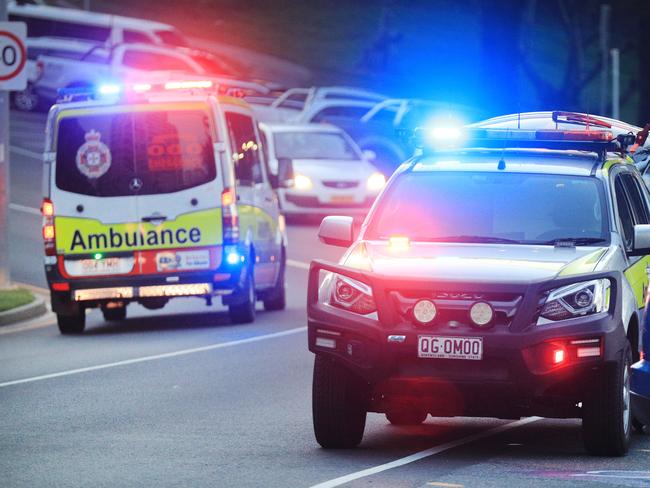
pixel 576 300
pixel 302 182
pixel 425 311
pixel 481 314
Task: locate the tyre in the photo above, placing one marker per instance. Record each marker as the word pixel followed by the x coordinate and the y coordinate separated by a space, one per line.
pixel 114 314
pixel 276 299
pixel 72 324
pixel 338 405
pixel 607 417
pixel 244 311
pixel 406 417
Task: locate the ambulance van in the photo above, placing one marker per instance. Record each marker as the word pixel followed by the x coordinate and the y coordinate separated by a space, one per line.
pixel 159 191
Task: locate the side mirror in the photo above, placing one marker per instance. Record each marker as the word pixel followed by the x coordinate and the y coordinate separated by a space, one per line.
pixel 641 245
pixel 336 231
pixel 369 155
pixel 285 173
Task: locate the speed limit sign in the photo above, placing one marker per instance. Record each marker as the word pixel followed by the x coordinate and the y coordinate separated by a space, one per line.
pixel 13 56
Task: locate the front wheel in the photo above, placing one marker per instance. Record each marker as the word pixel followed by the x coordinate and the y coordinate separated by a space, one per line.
pixel 243 312
pixel 338 405
pixel 72 324
pixel 607 418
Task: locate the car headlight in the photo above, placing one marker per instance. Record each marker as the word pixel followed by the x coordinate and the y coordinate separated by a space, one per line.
pixel 302 182
pixel 575 300
pixel 351 295
pixel 376 182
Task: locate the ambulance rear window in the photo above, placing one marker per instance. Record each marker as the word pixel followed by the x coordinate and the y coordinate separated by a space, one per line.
pixel 118 154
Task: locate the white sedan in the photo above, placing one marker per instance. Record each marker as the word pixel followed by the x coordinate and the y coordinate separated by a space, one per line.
pixel 331 174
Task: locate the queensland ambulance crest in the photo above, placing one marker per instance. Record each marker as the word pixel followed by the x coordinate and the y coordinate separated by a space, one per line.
pixel 93 157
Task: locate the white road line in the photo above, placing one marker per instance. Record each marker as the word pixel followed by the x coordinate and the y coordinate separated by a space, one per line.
pixel 298 264
pixel 23 208
pixel 144 359
pixel 26 152
pixel 426 453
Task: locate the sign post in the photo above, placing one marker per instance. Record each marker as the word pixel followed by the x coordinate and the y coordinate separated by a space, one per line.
pixel 13 76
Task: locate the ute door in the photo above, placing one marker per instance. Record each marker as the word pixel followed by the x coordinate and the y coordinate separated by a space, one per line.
pixel 256 227
pixel 93 202
pixel 178 189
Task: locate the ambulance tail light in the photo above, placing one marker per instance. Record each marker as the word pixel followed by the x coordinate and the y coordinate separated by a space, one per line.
pixel 230 217
pixel 49 234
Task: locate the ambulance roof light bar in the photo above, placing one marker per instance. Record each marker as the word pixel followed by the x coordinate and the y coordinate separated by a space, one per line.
pixel 114 91
pixel 579 119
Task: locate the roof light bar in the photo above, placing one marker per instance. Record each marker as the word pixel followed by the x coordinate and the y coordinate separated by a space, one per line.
pixel 184 85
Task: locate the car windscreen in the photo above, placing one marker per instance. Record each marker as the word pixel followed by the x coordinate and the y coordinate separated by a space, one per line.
pixel 166 151
pixel 313 145
pixel 463 206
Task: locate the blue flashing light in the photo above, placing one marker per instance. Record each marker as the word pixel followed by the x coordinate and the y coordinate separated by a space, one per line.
pixel 446 133
pixel 233 256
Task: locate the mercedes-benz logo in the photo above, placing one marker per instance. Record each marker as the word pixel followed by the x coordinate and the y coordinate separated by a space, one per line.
pixel 135 184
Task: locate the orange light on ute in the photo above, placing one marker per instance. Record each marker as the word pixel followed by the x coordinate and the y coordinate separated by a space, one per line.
pixel 227 197
pixel 47 208
pixel 48 232
pixel 399 243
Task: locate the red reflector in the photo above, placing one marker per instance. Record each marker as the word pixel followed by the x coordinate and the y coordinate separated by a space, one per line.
pixel 48 232
pixel 61 286
pixel 47 208
pixel 227 197
pixel 574 135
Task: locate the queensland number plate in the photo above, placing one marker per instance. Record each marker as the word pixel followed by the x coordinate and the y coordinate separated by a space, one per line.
pixel 100 266
pixel 450 347
pixel 342 199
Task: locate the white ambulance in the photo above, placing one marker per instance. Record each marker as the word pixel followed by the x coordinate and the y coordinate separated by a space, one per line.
pixel 159 191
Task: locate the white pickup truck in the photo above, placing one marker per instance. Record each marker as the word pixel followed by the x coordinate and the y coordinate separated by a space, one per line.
pixel 126 62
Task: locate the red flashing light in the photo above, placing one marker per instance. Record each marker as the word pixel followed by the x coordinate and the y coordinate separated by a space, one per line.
pixel 549 356
pixel 574 135
pixel 48 232
pixel 229 216
pixel 61 286
pixel 47 208
pixel 558 356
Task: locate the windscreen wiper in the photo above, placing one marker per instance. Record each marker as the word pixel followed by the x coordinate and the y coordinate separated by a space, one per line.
pixel 573 241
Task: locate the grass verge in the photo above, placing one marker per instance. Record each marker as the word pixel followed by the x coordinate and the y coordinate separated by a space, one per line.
pixel 14 297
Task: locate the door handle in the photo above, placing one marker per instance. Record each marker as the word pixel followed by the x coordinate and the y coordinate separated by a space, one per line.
pixel 152 218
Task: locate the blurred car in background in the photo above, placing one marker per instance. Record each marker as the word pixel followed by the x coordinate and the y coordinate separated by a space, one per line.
pixel 46 21
pixel 28 99
pixel 331 174
pixel 99 65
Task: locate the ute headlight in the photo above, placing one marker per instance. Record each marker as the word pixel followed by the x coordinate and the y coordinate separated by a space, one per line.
pixel 575 300
pixel 302 182
pixel 351 295
pixel 376 182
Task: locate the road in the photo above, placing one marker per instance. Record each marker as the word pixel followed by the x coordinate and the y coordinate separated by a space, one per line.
pixel 181 397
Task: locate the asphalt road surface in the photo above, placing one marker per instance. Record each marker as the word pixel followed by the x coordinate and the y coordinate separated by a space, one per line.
pixel 181 397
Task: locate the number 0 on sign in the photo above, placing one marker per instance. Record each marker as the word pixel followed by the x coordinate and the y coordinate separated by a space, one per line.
pixel 13 56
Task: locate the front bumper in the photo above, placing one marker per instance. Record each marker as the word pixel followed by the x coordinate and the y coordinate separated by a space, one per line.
pixel 502 384
pixel 294 203
pixel 640 385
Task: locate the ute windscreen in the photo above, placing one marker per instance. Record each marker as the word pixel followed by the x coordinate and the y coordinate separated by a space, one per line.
pixel 518 208
pixel 144 153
